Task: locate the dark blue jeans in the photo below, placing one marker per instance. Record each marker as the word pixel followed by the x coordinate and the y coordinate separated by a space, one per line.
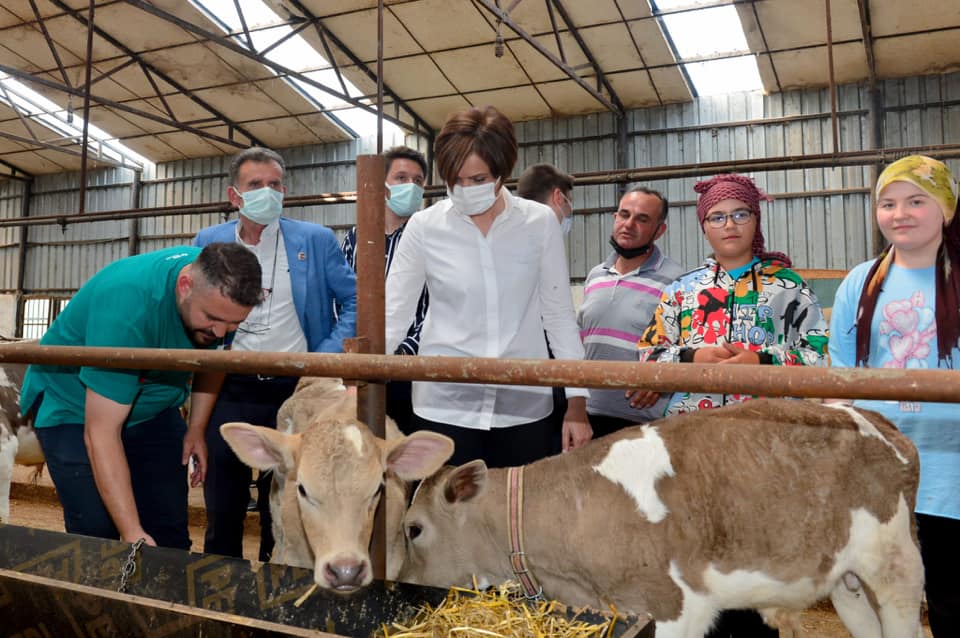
pixel 226 490
pixel 154 449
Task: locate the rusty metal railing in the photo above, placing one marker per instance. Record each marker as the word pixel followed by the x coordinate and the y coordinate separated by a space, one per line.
pixel 793 381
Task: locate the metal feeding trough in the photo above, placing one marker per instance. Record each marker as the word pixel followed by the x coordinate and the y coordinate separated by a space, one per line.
pixel 55 585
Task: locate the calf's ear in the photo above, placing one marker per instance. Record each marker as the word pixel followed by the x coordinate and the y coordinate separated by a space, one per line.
pixel 262 448
pixel 419 455
pixel 465 482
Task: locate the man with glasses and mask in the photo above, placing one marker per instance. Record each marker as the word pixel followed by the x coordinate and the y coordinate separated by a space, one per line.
pixel 114 440
pixel 619 297
pixel 405 170
pixel 304 277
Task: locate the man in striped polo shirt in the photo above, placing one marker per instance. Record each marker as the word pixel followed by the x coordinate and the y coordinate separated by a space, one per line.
pixel 619 298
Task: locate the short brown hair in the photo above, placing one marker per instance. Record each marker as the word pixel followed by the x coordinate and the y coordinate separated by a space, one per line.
pixel 484 131
pixel 403 152
pixel 257 154
pixel 539 181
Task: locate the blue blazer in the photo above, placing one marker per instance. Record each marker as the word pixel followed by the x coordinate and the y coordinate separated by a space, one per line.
pixel 320 278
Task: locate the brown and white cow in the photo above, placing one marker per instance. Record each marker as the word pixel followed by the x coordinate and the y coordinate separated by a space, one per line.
pixel 329 473
pixel 18 441
pixel 770 505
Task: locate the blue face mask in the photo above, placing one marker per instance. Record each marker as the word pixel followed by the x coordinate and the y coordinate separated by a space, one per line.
pixel 405 199
pixel 262 206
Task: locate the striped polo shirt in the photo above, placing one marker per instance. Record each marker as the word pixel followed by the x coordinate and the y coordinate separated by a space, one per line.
pixel 615 311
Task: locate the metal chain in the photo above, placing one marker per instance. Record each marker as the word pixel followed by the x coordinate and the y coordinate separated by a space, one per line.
pixel 129 566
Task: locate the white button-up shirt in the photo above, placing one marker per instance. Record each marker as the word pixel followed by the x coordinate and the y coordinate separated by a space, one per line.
pixel 273 325
pixel 490 296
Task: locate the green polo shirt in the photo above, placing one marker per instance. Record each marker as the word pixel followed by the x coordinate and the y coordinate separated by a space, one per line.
pixel 129 304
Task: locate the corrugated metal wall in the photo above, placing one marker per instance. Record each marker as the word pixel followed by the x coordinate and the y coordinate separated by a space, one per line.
pixel 11 205
pixel 821 217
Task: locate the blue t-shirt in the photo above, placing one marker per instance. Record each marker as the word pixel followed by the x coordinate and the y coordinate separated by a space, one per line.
pixel 131 303
pixel 904 335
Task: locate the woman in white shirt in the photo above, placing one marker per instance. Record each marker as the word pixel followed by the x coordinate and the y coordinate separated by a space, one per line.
pixel 496 271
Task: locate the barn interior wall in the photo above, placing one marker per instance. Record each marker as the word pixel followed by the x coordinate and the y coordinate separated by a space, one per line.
pixel 821 217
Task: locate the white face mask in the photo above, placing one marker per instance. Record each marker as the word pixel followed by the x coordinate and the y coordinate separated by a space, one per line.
pixel 262 206
pixel 566 224
pixel 474 200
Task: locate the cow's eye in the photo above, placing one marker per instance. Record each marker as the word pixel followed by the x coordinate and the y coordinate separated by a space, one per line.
pixel 413 530
pixel 301 491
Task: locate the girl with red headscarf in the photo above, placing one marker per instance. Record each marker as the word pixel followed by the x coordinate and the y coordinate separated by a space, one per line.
pixel 743 305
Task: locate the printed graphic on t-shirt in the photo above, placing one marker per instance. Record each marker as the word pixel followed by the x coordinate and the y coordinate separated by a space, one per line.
pixel 908 331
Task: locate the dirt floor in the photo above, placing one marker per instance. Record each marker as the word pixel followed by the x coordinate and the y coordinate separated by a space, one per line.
pixel 36 505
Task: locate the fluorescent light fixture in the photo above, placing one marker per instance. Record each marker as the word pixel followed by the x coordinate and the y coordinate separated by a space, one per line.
pixel 711 31
pixel 265 28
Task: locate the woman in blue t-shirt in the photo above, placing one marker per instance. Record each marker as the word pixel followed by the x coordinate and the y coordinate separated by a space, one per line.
pixel 901 311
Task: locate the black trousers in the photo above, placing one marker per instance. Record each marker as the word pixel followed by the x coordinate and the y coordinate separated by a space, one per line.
pixel 499 447
pixel 741 623
pixel 604 425
pixel 226 490
pixel 939 537
pixel 154 450
pixel 400 404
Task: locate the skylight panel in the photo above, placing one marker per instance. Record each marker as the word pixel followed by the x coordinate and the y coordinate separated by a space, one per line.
pixel 714 31
pixel 36 108
pixel 266 28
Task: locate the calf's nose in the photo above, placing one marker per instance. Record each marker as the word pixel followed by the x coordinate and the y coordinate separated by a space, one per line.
pixel 345 573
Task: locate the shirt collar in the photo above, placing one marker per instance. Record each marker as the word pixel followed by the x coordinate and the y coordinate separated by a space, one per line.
pixel 269 232
pixel 652 263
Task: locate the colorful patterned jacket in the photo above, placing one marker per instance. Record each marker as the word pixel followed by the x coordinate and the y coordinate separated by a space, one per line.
pixel 769 309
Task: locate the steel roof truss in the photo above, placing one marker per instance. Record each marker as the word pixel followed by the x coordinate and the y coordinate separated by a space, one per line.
pixel 160 74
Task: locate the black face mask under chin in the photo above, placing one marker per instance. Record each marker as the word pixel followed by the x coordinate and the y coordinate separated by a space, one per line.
pixel 630 253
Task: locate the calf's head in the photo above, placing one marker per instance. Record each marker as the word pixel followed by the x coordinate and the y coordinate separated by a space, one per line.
pixel 335 473
pixel 443 529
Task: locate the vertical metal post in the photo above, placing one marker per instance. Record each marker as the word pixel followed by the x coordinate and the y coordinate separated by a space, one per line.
pixel 876 117
pixel 622 148
pixel 22 258
pixel 133 241
pixel 833 82
pixel 380 77
pixel 86 111
pixel 371 397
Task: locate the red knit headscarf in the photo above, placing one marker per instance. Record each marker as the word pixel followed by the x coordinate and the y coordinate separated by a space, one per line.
pixel 742 188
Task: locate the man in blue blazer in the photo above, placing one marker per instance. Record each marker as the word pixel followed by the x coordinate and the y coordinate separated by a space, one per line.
pixel 305 276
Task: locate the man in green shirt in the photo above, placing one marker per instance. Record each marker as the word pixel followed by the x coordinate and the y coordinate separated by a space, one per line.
pixel 114 439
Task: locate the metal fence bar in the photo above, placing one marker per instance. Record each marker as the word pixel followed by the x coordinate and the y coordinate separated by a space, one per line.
pixel 791 381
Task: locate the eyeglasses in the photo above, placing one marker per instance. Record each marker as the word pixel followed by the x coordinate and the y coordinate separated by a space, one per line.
pixel 257 327
pixel 739 217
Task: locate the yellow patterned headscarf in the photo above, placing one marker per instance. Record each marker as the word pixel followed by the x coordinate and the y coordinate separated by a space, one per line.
pixel 933 176
pixel 935 179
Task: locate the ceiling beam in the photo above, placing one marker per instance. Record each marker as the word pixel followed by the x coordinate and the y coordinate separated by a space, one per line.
pixel 60 149
pixel 160 74
pixel 326 35
pixel 15 171
pixel 50 43
pixel 56 86
pixel 601 77
pixel 766 47
pixel 275 66
pixel 867 29
pixel 557 62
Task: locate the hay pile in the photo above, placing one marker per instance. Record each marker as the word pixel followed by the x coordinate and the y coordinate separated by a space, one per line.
pixel 498 613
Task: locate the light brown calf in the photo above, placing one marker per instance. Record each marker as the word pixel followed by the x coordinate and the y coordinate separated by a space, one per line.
pixel 771 505
pixel 329 473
